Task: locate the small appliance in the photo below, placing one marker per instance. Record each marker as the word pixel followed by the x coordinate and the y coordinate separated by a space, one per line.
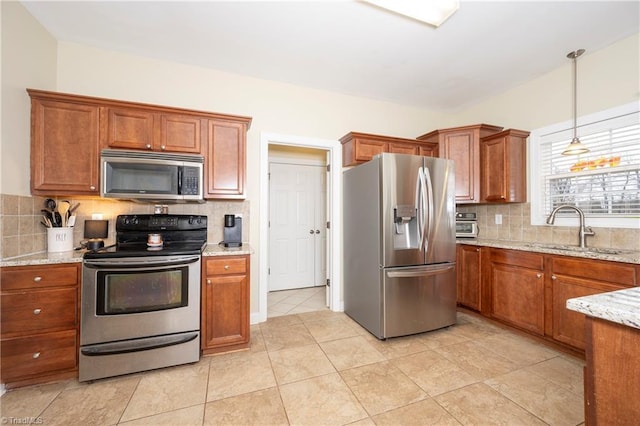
pixel 466 225
pixel 95 231
pixel 232 230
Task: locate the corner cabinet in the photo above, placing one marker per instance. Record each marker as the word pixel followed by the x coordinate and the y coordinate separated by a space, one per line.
pixel 462 145
pixel 358 148
pixel 503 167
pixel 64 145
pixel 224 324
pixel 39 320
pixel 68 131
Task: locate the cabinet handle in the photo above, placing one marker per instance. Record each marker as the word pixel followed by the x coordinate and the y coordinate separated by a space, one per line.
pixel 37 311
pixel 93 188
pixel 37 279
pixel 148 146
pixel 539 275
pixel 36 355
pixel 553 277
pixel 226 267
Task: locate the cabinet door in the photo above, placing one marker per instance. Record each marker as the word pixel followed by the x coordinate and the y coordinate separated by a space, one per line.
pixel 128 128
pixel 494 169
pixel 225 311
pixel 518 296
pixel 64 148
pixel 428 150
pixel 180 133
pixel 462 147
pixel 365 149
pixel 468 276
pixel 225 160
pixel 398 148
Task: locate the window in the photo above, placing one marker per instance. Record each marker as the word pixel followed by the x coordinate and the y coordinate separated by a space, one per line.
pixel 604 183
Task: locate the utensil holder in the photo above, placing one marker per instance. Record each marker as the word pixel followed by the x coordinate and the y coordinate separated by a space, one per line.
pixel 59 239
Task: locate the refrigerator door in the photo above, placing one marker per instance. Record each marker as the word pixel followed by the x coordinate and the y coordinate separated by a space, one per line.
pixel 402 215
pixel 418 299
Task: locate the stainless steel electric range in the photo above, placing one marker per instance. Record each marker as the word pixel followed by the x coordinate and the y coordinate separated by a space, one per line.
pixel 141 296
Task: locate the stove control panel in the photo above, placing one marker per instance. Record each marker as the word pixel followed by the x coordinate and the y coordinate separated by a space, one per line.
pixel 148 222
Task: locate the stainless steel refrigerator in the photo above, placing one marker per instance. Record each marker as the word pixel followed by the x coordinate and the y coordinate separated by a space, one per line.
pixel 399 244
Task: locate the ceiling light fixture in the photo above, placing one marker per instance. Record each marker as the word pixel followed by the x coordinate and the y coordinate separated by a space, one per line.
pixel 432 12
pixel 575 146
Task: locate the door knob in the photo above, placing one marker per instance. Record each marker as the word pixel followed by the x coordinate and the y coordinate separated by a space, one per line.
pixel 317 231
pixel 311 231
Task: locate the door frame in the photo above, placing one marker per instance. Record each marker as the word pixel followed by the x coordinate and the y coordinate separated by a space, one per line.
pixel 334 233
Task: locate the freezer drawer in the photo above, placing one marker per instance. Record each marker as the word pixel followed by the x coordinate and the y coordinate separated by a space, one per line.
pixel 418 299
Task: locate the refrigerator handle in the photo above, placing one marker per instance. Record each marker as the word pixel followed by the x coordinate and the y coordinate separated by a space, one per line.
pixel 420 208
pixel 429 186
pixel 420 272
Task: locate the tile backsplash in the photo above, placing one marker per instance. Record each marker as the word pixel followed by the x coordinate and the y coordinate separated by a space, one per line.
pixel 516 226
pixel 22 233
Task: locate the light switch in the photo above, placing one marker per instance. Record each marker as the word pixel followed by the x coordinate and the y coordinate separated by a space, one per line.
pixel 498 219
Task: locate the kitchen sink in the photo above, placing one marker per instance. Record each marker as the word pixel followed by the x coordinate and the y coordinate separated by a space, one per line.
pixel 574 248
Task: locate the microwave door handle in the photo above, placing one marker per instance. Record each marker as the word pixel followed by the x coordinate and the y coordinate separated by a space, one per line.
pixel 179 180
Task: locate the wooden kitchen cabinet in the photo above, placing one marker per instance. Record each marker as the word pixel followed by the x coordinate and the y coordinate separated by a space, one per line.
pixel 225 304
pixel 149 130
pixel 462 145
pixel 503 167
pixel 64 145
pixel 574 277
pixel 517 286
pixel 39 320
pixel 468 276
pixel 358 148
pixel 225 165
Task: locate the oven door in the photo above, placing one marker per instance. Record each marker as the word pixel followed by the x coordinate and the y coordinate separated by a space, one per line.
pixel 129 298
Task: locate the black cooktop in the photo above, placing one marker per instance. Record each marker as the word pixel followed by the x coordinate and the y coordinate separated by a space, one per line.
pixel 180 235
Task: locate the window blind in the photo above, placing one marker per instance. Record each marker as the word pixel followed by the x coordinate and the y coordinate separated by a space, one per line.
pixel 604 182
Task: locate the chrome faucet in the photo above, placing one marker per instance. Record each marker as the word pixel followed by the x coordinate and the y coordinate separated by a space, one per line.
pixel 585 231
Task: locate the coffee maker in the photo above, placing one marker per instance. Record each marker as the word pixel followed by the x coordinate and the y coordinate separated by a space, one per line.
pixel 232 230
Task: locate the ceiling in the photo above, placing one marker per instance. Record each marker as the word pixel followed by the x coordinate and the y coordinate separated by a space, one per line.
pixel 352 47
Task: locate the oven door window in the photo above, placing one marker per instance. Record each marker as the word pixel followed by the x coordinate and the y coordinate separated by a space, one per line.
pixel 129 292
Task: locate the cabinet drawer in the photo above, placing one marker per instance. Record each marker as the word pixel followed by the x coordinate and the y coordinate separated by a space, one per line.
pixel 38 310
pixel 38 354
pixel 37 277
pixel 609 272
pixel 226 266
pixel 518 258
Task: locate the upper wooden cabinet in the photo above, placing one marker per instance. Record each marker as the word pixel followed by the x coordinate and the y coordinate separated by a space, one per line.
pixel 64 146
pixel 68 131
pixel 358 148
pixel 503 167
pixel 133 128
pixel 462 145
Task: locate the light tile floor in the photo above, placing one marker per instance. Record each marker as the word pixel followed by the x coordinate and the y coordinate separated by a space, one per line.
pixel 322 368
pixel 296 301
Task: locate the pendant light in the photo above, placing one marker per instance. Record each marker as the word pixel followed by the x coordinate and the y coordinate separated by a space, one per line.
pixel 575 147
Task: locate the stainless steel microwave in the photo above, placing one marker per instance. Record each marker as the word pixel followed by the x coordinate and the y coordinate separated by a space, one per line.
pixel 151 176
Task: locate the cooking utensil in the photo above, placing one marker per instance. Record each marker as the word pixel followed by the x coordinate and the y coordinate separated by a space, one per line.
pixel 63 209
pixel 48 215
pixel 58 219
pixel 50 203
pixel 73 208
pixel 71 221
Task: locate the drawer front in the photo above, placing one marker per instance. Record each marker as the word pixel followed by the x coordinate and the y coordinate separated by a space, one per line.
pixel 15 278
pixel 39 310
pixel 610 272
pixel 38 354
pixel 226 265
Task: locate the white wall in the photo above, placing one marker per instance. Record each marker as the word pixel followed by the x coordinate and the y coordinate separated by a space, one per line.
pixel 29 56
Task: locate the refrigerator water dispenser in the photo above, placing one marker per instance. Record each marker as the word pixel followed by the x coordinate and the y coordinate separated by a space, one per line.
pixel 406 227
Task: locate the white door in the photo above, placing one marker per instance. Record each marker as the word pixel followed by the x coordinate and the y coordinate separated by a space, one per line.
pixel 297 234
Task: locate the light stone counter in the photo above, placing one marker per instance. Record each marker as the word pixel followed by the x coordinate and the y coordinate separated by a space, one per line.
pixel 621 306
pixel 613 255
pixel 76 256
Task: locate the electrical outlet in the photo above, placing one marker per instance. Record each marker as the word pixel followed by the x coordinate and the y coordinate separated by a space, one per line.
pixel 498 219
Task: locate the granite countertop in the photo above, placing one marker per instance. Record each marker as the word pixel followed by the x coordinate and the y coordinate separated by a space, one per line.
pixel 76 256
pixel 610 254
pixel 621 306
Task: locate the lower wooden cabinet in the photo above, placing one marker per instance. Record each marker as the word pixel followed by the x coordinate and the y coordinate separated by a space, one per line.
pixel 39 319
pixel 225 303
pixel 468 277
pixel 517 289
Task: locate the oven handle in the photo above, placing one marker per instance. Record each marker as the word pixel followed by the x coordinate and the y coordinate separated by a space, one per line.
pixel 139 262
pixel 137 346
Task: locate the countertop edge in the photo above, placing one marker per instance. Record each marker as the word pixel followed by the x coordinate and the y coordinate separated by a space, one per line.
pixel 620 306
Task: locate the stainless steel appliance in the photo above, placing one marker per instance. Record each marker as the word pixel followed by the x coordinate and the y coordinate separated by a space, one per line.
pixel 151 176
pixel 399 244
pixel 141 296
pixel 466 225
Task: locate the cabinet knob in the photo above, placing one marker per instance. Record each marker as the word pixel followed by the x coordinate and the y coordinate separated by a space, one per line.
pixel 93 188
pixel 163 147
pixel 37 311
pixel 36 355
pixel 148 146
pixel 208 281
pixel 37 279
pixel 539 275
pixel 226 267
pixel 553 277
pixel 478 249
